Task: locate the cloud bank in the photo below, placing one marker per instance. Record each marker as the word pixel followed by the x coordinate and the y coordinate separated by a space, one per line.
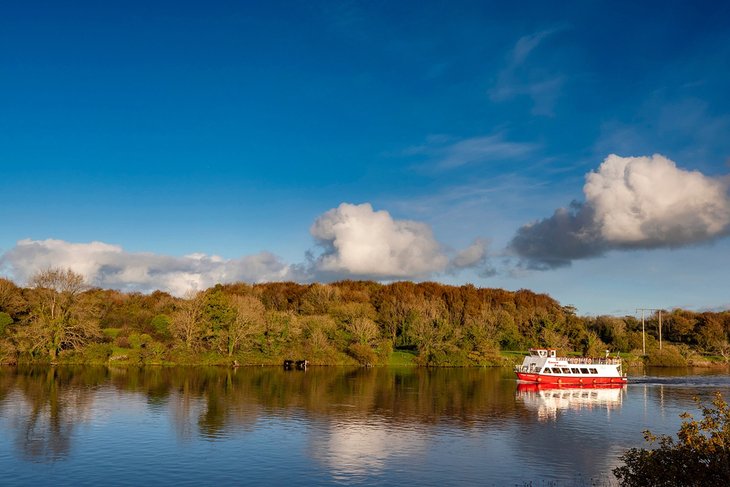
pixel 109 266
pixel 355 242
pixel 630 203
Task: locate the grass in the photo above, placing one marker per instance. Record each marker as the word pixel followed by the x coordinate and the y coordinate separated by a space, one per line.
pixel 400 358
pixel 111 332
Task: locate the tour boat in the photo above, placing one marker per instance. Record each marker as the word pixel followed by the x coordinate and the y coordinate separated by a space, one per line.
pixel 545 367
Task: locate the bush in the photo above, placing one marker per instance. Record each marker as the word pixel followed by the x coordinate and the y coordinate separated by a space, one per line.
pixel 137 340
pixel 97 353
pixel 161 325
pixel 699 457
pixel 364 354
pixel 668 356
pixel 154 353
pixel 384 351
pixel 5 320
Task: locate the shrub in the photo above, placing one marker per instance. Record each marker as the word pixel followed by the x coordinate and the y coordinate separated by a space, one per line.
pixel 5 320
pixel 668 356
pixel 161 325
pixel 137 340
pixel 154 353
pixel 699 457
pixel 97 353
pixel 364 354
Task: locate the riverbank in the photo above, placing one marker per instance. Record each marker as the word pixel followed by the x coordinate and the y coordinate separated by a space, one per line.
pixel 141 356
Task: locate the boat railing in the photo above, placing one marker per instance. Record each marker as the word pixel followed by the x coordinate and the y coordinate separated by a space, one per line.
pixel 587 361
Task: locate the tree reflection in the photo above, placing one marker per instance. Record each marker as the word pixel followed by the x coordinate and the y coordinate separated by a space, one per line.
pixel 55 400
pixel 214 402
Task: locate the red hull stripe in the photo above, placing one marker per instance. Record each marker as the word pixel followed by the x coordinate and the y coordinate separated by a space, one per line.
pixel 567 379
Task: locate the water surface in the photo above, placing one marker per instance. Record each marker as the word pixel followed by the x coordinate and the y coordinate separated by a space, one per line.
pixel 325 426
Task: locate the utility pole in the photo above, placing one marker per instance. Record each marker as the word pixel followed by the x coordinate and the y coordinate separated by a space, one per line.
pixel 643 332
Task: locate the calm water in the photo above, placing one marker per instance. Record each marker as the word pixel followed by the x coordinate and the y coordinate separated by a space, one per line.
pixel 255 426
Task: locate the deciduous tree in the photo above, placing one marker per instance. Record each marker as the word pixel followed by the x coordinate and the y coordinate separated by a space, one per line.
pixel 60 316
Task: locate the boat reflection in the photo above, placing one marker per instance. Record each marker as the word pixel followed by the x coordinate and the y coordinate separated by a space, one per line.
pixel 550 399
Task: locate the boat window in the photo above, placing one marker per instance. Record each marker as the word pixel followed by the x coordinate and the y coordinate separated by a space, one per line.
pixel 575 371
pixel 566 371
pixel 594 371
pixel 556 370
pixel 583 370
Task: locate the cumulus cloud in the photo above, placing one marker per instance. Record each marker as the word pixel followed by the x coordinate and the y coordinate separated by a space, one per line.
pixel 110 266
pixel 630 202
pixel 554 242
pixel 357 240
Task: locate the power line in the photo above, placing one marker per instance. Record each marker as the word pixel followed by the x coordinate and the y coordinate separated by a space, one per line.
pixel 643 332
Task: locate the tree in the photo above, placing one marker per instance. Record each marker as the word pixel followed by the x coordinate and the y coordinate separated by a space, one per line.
pixel 248 321
pixel 11 299
pixel 699 457
pixel 187 321
pixel 363 330
pixel 60 316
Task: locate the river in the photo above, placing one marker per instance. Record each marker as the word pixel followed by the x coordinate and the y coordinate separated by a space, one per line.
pixel 326 426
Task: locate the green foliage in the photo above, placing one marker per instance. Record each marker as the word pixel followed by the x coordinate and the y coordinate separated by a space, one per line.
pixel 111 333
pixel 699 457
pixel 5 320
pixel 363 354
pixel 154 353
pixel 402 358
pixel 161 325
pixel 593 346
pixel 264 323
pixel 97 353
pixel 139 340
pixel 668 356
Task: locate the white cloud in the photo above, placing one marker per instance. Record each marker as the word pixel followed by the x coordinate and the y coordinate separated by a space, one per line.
pixel 630 202
pixel 648 201
pixel 357 242
pixel 107 265
pixel 360 241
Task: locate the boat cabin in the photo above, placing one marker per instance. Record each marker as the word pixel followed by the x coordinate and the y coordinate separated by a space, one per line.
pixel 543 352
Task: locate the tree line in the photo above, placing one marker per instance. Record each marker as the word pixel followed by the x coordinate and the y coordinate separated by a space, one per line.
pixel 57 317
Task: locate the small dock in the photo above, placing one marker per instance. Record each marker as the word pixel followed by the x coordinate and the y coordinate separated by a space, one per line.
pixel 296 364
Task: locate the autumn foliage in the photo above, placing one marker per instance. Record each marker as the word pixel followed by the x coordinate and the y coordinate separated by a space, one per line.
pixel 700 456
pixel 57 317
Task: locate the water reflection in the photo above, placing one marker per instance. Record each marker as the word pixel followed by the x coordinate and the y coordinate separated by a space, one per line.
pixel 357 451
pixel 325 425
pixel 214 403
pixel 48 403
pixel 548 400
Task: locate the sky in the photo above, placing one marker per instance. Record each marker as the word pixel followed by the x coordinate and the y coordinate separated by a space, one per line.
pixel 578 149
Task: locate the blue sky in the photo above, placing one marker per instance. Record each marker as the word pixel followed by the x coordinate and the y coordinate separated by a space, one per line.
pixel 175 144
